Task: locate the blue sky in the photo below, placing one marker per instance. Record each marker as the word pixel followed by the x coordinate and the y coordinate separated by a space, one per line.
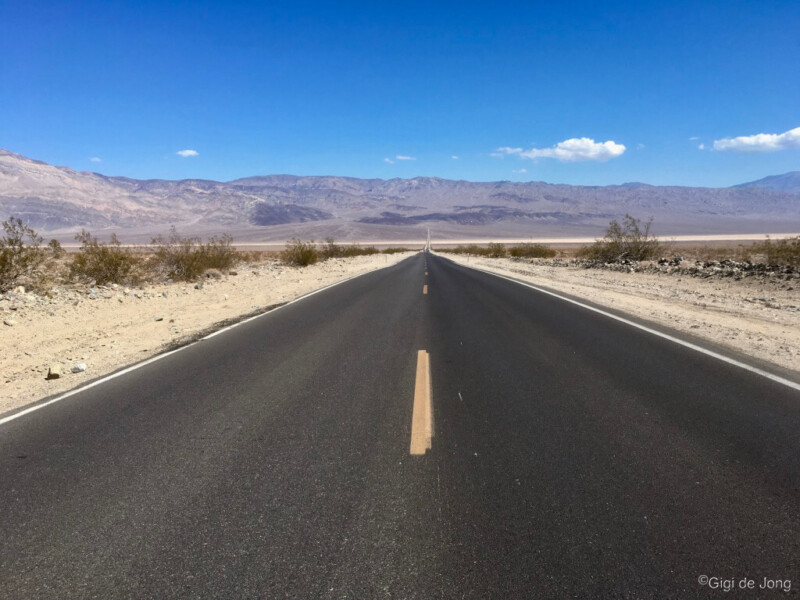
pixel 573 92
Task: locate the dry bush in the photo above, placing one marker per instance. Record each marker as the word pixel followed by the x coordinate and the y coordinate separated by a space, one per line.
pixel 471 249
pixel 105 263
pixel 532 251
pixel 187 258
pixel 56 249
pixel 627 241
pixel 785 252
pixel 394 250
pixel 711 253
pixel 330 249
pixel 20 253
pixel 496 250
pixel 299 253
pixel 258 257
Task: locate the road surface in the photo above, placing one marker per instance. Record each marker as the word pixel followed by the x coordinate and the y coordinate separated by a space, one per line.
pixel 572 456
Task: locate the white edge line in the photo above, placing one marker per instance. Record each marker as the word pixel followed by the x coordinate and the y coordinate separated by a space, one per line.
pixel 153 359
pixel 666 336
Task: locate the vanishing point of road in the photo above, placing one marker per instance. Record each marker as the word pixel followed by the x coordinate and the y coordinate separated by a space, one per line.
pixel 423 431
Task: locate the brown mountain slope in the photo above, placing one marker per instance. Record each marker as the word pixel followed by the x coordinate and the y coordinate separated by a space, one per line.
pixel 60 200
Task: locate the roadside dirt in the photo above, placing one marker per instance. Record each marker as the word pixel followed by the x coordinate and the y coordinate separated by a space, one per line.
pixel 107 328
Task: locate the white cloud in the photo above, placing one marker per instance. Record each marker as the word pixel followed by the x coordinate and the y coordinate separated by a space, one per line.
pixel 519 170
pixel 641 146
pixel 694 138
pixel 402 157
pixel 187 153
pixel 761 142
pixel 454 157
pixel 95 159
pixel 701 147
pixel 571 150
pixel 388 161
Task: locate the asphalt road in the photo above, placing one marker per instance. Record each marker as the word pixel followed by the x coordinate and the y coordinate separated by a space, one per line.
pixel 573 457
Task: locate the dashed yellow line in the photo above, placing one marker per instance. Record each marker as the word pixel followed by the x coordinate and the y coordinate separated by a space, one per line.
pixel 422 417
pixel 425 290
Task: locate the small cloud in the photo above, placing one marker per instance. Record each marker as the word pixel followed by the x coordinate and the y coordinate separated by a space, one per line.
pixel 95 159
pixel 402 157
pixel 187 153
pixel 505 150
pixel 519 170
pixel 640 146
pixel 454 157
pixel 571 150
pixel 388 161
pixel 701 147
pixel 761 142
pixel 694 138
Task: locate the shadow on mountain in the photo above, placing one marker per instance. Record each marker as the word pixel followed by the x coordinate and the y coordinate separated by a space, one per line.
pixel 279 214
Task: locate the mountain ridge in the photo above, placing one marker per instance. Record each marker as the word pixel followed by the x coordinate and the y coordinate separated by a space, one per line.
pixel 274 207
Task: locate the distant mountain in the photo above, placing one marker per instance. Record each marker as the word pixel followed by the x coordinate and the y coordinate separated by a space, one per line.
pixel 61 201
pixel 788 182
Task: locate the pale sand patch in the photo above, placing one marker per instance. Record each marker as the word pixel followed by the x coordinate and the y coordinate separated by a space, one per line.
pixel 755 317
pixel 118 328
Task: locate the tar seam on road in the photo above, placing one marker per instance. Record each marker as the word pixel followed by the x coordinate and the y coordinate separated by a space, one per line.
pixel 422 417
pixel 732 361
pixel 153 359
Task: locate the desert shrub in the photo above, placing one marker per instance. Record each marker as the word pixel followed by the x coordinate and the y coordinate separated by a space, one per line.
pixel 496 250
pixel 20 253
pixel 105 263
pixel 55 248
pixel 472 249
pixel 218 252
pixel 330 249
pixel 785 252
pixel 394 250
pixel 532 251
pixel 187 258
pixel 299 253
pixel 627 241
pixel 356 250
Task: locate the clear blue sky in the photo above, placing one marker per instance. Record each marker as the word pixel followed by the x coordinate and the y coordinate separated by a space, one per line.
pixel 344 88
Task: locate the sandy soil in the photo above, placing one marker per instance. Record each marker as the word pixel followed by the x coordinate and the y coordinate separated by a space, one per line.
pixel 106 328
pixel 757 317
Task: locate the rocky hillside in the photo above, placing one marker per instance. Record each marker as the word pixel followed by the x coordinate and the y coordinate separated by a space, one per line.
pixel 275 207
pixel 788 182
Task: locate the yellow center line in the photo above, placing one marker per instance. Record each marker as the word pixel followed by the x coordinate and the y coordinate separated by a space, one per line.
pixel 422 417
pixel 425 289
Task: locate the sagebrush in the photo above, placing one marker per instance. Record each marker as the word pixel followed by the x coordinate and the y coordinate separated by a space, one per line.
pixel 299 253
pixel 105 263
pixel 187 258
pixel 330 249
pixel 785 252
pixel 532 251
pixel 20 253
pixel 626 241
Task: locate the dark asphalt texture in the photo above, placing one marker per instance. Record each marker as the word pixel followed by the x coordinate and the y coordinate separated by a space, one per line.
pixel 573 457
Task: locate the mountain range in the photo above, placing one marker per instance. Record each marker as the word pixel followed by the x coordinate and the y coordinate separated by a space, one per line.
pixel 60 201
